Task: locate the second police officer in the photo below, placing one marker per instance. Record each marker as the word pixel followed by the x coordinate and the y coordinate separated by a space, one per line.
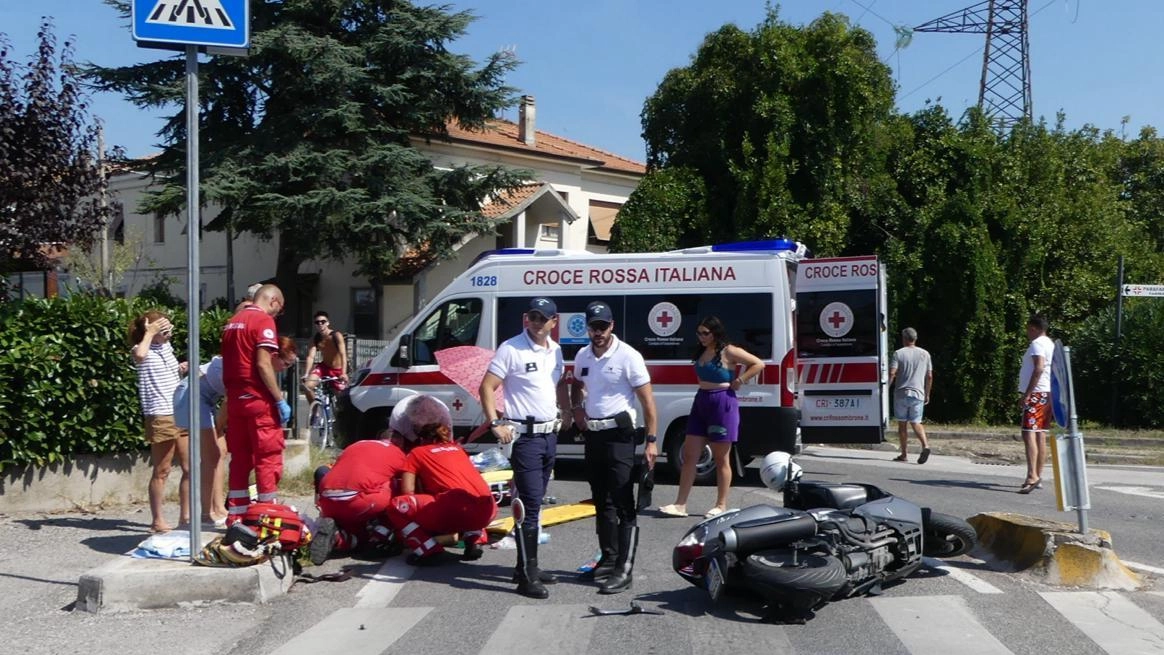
pixel 529 368
pixel 608 375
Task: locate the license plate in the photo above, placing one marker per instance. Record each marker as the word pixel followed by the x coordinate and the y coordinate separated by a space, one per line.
pixel 714 579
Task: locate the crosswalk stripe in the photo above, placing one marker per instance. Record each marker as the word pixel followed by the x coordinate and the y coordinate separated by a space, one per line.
pixel 356 630
pixel 1143 567
pixel 1114 623
pixel 385 584
pixel 716 636
pixel 542 629
pixel 937 624
pixel 961 575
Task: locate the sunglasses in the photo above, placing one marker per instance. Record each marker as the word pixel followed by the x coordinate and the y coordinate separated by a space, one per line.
pixel 323 322
pixel 537 318
pixel 703 333
pixel 598 326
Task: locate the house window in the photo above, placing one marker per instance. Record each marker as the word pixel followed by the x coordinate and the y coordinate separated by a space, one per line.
pixel 159 229
pixel 550 232
pixel 365 314
pixel 602 215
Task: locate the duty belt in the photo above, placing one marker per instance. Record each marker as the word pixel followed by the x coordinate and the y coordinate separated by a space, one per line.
pixel 536 427
pixel 598 424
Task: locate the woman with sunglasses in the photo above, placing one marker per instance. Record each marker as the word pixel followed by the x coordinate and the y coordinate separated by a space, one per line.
pixel 714 420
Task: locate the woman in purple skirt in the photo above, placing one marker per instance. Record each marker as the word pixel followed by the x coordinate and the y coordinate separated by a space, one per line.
pixel 714 419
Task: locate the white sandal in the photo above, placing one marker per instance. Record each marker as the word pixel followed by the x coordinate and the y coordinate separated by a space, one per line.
pixel 674 510
pixel 713 512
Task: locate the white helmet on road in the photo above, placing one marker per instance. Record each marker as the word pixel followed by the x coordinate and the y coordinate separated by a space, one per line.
pixel 777 469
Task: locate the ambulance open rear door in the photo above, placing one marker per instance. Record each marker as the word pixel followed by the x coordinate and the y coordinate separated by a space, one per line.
pixel 841 347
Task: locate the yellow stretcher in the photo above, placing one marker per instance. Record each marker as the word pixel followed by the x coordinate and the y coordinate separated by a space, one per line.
pixel 551 515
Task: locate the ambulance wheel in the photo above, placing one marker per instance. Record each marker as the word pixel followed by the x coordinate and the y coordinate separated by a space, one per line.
pixel 704 468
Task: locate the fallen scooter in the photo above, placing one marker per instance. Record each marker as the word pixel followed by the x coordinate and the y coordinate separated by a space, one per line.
pixel 829 541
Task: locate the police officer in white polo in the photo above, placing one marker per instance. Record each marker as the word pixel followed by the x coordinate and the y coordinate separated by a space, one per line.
pixel 608 376
pixel 529 369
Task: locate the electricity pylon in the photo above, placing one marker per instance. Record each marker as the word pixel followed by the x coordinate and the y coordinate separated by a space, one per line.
pixel 1004 93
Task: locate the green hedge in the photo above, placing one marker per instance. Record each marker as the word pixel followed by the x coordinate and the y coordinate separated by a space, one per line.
pixel 70 385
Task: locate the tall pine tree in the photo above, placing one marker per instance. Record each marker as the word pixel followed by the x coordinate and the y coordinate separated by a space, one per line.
pixel 307 139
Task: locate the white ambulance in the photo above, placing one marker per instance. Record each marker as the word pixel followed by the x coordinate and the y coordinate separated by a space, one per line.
pixel 657 299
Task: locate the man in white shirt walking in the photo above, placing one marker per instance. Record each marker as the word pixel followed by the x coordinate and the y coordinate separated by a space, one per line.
pixel 1034 384
pixel 913 370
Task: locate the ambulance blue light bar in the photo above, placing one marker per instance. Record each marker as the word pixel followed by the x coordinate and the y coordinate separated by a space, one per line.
pixel 503 251
pixel 756 246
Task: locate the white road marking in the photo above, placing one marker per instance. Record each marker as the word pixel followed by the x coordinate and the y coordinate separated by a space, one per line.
pixel 716 636
pixel 924 624
pixel 1143 567
pixel 356 630
pixel 1114 623
pixel 1149 492
pixel 542 629
pixel 961 575
pixel 385 584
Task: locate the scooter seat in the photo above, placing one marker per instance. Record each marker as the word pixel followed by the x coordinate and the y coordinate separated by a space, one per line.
pixel 833 495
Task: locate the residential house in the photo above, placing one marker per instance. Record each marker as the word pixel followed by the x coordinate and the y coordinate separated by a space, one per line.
pixel 571 202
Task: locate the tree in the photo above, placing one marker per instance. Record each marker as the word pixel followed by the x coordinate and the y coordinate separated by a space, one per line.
pixel 307 139
pixel 49 182
pixel 665 211
pixel 782 125
pixel 125 255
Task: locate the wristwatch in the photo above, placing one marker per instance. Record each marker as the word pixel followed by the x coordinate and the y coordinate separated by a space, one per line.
pixel 652 438
pixel 497 422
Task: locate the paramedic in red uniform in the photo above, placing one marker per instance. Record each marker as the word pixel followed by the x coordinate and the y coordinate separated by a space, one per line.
pixel 454 497
pixel 356 492
pixel 256 409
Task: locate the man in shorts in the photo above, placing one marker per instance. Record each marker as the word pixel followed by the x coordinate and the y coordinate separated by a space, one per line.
pixel 333 357
pixel 1034 384
pixel 913 370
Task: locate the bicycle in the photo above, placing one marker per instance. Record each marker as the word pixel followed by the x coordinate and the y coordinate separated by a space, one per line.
pixel 321 414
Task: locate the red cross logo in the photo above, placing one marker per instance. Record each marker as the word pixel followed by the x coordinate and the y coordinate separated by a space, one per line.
pixel 836 319
pixel 665 319
pixel 457 404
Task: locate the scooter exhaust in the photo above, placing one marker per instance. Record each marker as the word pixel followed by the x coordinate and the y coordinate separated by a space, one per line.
pixel 767 533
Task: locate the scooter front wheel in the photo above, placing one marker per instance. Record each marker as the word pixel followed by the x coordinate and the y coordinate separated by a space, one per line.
pixel 945 535
pixel 794 579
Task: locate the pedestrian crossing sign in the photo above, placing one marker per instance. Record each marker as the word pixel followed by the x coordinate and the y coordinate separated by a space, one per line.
pixel 209 23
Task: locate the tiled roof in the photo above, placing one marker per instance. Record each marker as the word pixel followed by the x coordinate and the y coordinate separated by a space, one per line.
pixel 500 132
pixel 509 199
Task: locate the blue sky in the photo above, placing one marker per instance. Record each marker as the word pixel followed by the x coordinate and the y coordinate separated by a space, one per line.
pixel 590 65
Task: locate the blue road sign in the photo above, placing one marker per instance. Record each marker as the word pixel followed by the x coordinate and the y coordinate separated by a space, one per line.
pixel 1060 386
pixel 213 23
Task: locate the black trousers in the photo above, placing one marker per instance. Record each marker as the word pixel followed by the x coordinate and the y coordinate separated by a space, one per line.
pixel 610 460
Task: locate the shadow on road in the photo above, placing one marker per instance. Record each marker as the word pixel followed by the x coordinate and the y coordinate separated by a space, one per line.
pixel 960 484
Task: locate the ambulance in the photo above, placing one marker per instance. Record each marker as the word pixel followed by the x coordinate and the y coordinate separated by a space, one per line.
pixel 657 300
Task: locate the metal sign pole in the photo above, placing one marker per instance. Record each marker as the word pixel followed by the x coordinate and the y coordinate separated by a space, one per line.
pixel 193 297
pixel 1076 455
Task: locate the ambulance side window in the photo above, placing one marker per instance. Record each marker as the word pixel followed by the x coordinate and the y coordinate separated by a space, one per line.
pixel 455 323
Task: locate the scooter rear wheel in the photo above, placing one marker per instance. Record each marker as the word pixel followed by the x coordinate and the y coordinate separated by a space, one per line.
pixel 945 535
pixel 794 579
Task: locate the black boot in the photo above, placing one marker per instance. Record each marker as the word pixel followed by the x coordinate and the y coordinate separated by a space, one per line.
pixel 623 576
pixel 528 582
pixel 545 577
pixel 607 538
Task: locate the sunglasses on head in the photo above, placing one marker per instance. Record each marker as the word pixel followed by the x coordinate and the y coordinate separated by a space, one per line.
pixel 703 333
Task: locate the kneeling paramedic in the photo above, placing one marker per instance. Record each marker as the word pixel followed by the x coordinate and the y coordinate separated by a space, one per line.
pixel 354 495
pixel 608 376
pixel 455 498
pixel 529 368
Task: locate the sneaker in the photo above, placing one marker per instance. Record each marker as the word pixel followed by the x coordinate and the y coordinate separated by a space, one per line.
pixel 323 541
pixel 473 552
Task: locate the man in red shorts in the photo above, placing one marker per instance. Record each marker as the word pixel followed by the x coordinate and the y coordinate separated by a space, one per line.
pixel 455 498
pixel 256 409
pixel 1034 384
pixel 356 492
pixel 333 352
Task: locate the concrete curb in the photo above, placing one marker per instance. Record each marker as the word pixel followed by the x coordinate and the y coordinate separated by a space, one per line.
pixel 87 481
pixel 129 583
pixel 1053 551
